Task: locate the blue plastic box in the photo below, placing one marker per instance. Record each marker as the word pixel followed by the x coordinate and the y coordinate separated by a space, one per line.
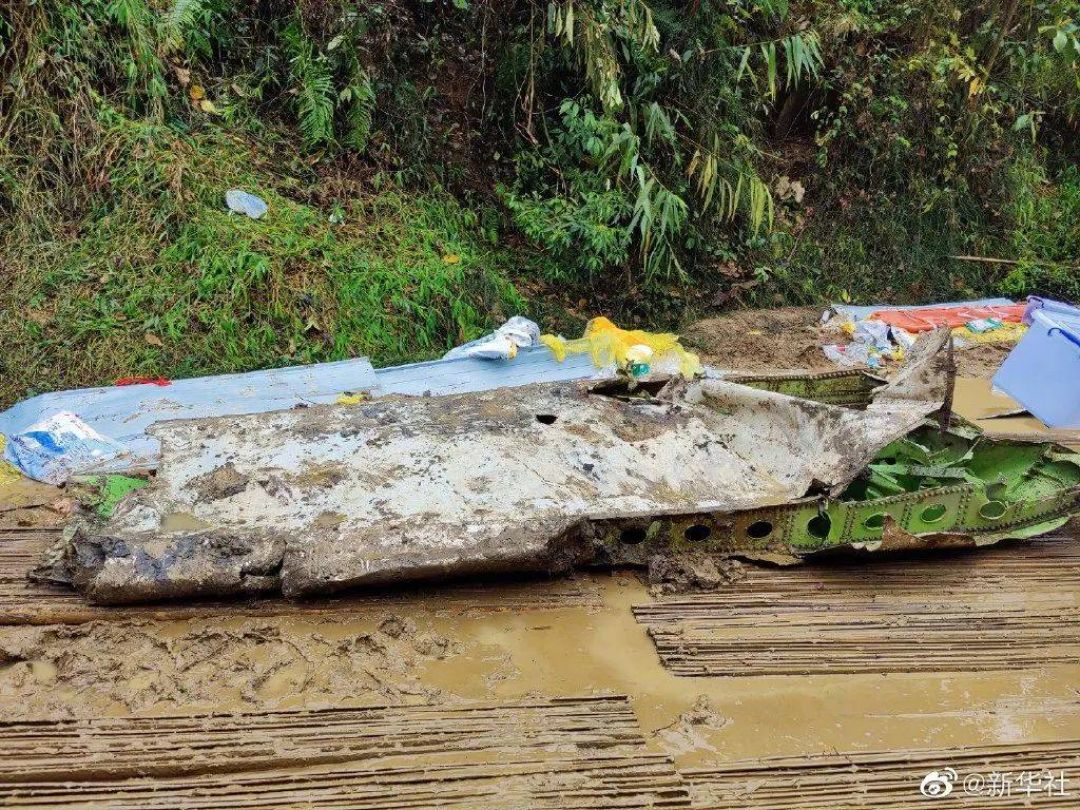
pixel 1043 372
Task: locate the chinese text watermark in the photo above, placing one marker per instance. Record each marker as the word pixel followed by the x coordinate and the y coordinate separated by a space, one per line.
pixel 995 784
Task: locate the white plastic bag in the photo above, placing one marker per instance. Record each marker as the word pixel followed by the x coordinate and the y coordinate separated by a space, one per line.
pixel 53 449
pixel 502 344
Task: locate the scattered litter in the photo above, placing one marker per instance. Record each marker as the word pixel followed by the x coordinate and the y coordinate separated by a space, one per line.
pixel 874 333
pixel 871 345
pixel 982 325
pixel 1043 371
pixel 639 358
pixel 853 355
pixel 241 202
pixel 904 339
pixel 1004 333
pixel 879 334
pixel 632 350
pixel 158 381
pixel 50 450
pixel 500 347
pixel 517 333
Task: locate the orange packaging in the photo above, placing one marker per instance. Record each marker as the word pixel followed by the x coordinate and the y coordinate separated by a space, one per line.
pixel 926 318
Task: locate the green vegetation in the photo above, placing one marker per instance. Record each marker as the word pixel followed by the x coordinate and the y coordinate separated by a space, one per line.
pixel 162 276
pixel 432 166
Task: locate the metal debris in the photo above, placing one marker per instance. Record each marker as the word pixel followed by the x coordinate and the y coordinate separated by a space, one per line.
pixel 123 415
pixel 538 478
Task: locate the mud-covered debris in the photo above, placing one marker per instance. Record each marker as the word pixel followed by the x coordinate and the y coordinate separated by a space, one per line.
pixel 503 481
pixel 396 627
pixel 254 663
pixel 691 571
pixel 546 477
pixel 436 647
pixel 223 482
pixel 691 729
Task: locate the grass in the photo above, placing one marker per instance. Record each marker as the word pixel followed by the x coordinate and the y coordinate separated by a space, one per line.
pixel 159 278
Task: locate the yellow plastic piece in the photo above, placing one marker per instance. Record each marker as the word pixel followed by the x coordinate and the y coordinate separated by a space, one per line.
pixel 8 473
pixel 606 344
pixel 352 399
pixel 1008 332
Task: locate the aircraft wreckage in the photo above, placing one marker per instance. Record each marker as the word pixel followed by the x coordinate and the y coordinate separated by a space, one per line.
pixel 549 476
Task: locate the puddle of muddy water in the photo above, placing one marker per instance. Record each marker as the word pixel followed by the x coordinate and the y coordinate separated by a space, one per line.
pixel 975 399
pixel 183 522
pixel 421 651
pixel 571 652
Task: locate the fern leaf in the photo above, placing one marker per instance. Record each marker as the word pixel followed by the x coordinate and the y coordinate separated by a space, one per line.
pixel 361 109
pixel 315 103
pixel 176 21
pixel 314 86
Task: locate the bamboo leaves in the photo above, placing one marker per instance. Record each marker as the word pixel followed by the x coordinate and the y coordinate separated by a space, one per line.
pixel 802 55
pixel 659 217
pixel 595 31
pixel 634 130
pixel 802 60
pixel 314 90
pixel 316 75
pixel 727 187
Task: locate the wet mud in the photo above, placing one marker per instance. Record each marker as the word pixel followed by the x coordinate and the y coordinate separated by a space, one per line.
pixel 421 654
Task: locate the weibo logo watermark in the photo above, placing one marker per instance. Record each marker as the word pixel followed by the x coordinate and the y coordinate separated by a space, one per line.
pixel 938 783
pixel 994 784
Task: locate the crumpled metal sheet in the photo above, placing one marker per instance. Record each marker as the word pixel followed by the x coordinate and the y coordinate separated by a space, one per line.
pixel 324 498
pixel 123 415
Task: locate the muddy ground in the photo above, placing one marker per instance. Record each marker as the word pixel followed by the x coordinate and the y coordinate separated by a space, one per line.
pixel 820 668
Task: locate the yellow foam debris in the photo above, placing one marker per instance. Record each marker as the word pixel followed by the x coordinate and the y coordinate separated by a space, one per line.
pixel 352 399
